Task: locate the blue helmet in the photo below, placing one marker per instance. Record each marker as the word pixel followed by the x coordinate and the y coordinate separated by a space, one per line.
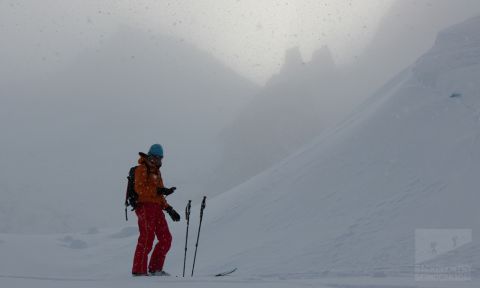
pixel 156 150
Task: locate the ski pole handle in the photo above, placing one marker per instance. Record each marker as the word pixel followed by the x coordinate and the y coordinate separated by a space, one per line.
pixel 204 202
pixel 187 210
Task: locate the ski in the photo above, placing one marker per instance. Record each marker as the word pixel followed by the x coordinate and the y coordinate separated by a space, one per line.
pixel 226 273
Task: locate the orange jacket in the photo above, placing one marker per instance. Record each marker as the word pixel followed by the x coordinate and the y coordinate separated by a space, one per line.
pixel 146 184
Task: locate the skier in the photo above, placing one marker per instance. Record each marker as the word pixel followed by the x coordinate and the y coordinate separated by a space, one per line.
pixel 149 210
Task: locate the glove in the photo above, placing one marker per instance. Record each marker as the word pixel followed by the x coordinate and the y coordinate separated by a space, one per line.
pixel 166 191
pixel 173 214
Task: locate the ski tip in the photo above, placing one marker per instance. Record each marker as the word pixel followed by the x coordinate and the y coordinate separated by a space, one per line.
pixel 226 273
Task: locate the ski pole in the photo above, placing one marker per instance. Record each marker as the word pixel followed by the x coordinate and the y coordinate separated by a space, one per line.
pixel 187 216
pixel 198 235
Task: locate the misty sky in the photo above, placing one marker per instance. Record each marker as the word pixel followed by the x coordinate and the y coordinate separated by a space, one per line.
pixel 249 36
pixel 252 35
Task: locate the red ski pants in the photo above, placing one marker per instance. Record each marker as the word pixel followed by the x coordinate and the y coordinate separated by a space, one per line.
pixel 151 222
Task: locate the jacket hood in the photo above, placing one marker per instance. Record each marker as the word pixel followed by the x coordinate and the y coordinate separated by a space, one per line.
pixel 143 158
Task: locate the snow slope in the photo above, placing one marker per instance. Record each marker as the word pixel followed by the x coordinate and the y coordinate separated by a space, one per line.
pixel 350 202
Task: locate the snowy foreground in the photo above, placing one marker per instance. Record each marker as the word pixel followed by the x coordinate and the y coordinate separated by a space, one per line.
pixel 102 259
pixel 391 189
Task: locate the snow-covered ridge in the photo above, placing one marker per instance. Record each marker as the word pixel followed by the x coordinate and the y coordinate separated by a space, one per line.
pixel 456 48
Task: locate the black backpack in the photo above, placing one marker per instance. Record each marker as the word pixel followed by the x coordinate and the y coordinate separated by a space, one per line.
pixel 131 196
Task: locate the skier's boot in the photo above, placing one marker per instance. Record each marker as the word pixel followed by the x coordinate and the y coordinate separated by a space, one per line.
pixel 139 274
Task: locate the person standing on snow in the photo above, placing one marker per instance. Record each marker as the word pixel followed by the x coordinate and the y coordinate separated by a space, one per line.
pixel 151 220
